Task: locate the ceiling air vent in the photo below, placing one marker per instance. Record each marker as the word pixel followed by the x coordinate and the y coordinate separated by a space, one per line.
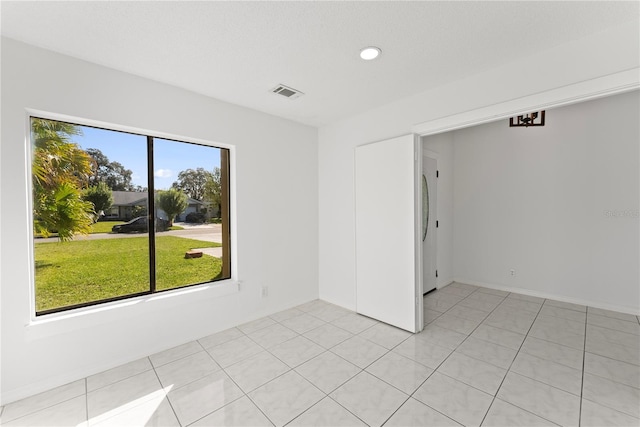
pixel 286 91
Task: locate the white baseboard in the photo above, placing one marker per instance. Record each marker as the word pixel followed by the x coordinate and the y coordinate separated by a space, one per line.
pixel 580 301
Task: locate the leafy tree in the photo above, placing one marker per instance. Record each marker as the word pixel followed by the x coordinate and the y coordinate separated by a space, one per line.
pixel 213 189
pixel 139 211
pixel 119 178
pixel 139 189
pixel 101 197
pixel 114 174
pixel 172 201
pixel 60 169
pixel 193 182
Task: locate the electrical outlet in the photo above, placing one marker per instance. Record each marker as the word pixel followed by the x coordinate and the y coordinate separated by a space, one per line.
pixel 513 272
pixel 265 291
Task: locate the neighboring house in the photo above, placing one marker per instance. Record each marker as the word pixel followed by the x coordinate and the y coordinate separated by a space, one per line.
pixel 125 202
pixel 193 206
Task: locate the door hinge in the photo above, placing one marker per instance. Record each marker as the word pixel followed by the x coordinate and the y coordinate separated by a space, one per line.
pixel 437 224
pixel 436 273
pixel 437 174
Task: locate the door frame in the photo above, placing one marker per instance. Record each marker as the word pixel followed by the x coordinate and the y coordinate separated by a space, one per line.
pixel 621 82
pixel 434 156
pixel 613 84
pixel 417 219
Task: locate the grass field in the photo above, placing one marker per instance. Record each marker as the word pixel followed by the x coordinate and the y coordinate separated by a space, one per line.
pixel 90 270
pixel 104 226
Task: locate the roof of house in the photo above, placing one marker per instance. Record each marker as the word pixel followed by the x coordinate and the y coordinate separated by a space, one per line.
pixel 129 198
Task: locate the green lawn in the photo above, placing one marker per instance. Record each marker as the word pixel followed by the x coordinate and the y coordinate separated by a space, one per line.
pixel 90 270
pixel 104 226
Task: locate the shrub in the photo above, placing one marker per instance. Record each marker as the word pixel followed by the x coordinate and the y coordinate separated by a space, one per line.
pixel 195 217
pixel 137 211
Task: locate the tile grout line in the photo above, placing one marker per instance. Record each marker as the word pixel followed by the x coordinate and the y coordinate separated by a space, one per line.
pixel 386 420
pixel 474 329
pixel 539 314
pixel 166 396
pixel 549 385
pixel 543 339
pixel 223 369
pixel 153 366
pixel 380 379
pixel 584 359
pixel 361 369
pixel 410 395
pixel 46 407
pixel 509 370
pixel 383 355
pixel 290 369
pixel 315 404
pixel 298 334
pixel 243 395
pixel 187 383
pixel 86 398
pixel 347 408
pixel 453 351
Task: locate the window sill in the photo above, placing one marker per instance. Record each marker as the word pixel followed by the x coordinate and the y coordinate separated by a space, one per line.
pixel 49 324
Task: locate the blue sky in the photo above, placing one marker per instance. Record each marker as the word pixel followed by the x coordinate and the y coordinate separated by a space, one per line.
pixel 170 157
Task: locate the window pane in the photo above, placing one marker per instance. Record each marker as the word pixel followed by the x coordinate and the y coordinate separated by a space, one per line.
pixel 93 181
pixel 189 201
pixel 92 211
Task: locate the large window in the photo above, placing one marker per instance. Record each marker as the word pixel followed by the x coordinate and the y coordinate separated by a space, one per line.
pixel 119 214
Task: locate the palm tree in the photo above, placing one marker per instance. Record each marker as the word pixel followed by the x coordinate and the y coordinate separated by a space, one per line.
pixel 60 170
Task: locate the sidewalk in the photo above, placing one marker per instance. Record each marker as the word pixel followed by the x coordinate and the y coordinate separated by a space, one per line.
pixel 214 252
pixel 191 226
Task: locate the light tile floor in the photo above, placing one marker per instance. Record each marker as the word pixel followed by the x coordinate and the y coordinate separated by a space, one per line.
pixel 486 357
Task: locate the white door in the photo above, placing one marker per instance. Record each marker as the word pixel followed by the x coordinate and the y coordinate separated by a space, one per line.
pixel 429 185
pixel 388 238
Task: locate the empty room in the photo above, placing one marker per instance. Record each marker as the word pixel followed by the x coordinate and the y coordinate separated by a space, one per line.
pixel 320 213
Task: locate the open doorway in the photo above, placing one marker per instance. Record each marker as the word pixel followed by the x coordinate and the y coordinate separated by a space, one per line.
pixel 429 202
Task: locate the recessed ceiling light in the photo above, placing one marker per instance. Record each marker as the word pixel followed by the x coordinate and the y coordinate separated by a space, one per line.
pixel 369 53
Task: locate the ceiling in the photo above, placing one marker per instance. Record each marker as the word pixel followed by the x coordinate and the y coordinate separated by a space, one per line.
pixel 238 51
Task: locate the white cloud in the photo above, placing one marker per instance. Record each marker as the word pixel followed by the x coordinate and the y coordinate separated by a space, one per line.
pixel 163 173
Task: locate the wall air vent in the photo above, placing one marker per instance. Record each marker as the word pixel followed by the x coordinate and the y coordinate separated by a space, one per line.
pixel 286 91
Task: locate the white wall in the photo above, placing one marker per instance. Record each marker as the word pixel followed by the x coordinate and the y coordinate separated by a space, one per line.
pixel 276 218
pixel 538 201
pixel 442 145
pixel 588 58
